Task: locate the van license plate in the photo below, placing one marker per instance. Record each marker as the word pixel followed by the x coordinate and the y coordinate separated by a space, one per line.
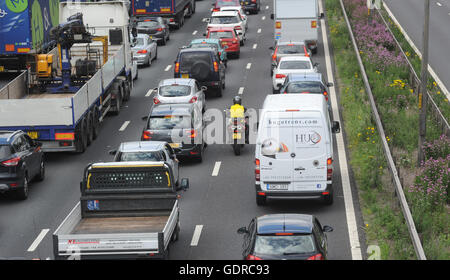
pixel 277 186
pixel 174 145
pixel 33 134
pixel 185 76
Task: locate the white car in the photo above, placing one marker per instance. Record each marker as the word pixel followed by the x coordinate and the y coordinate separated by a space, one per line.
pixel 144 49
pixel 291 65
pixel 242 14
pixel 229 19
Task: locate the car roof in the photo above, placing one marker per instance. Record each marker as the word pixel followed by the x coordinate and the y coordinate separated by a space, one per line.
pixel 6 135
pixel 290 43
pixel 179 109
pixel 143 146
pixel 278 223
pixel 304 77
pixel 224 13
pixel 203 49
pixel 206 40
pixel 178 81
pixel 295 57
pixel 142 35
pixel 302 102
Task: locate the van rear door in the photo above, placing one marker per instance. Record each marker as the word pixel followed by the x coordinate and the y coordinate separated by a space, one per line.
pixel 310 148
pixel 276 146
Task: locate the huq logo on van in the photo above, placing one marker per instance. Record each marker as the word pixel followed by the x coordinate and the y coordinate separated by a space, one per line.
pixel 311 138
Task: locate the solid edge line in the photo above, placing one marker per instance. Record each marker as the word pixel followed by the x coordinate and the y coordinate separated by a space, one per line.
pixel 38 240
pixel 352 226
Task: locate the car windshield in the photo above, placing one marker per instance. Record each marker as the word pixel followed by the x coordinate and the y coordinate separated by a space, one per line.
pixel 189 58
pixel 5 151
pixel 291 49
pixel 283 245
pixel 148 24
pixel 299 87
pixel 224 20
pixel 220 34
pixel 297 65
pixel 141 156
pixel 169 122
pixel 174 90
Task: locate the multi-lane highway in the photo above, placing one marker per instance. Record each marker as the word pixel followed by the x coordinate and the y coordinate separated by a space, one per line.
pixel 221 197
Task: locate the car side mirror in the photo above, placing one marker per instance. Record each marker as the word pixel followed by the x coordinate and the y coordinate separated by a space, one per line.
pixel 316 64
pixel 242 230
pixel 336 127
pixel 271 48
pixel 322 15
pixel 330 84
pixel 184 185
pixel 204 34
pixel 271 16
pixel 208 20
pixel 327 229
pixel 38 144
pixel 134 32
pixel 112 152
pixel 144 118
pixel 204 88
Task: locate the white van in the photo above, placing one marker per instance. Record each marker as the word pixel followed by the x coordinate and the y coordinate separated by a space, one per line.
pixel 294 149
pixel 297 20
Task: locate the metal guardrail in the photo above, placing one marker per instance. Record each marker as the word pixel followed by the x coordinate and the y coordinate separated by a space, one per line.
pixel 391 165
pixel 415 82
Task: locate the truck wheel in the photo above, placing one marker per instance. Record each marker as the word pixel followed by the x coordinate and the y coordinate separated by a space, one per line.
pixel 176 233
pixel 261 200
pixel 81 137
pixel 96 123
pixel 118 101
pixel 127 91
pixel 90 129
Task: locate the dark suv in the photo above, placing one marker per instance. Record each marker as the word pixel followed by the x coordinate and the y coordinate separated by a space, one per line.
pixel 202 64
pixel 21 160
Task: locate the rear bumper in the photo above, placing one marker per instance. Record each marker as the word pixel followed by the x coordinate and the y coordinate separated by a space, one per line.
pixel 309 195
pixel 5 183
pixel 250 7
pixel 211 84
pixel 189 150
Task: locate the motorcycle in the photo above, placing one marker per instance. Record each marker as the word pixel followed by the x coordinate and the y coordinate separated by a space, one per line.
pixel 237 129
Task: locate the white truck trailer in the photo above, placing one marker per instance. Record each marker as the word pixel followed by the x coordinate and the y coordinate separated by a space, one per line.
pixel 69 121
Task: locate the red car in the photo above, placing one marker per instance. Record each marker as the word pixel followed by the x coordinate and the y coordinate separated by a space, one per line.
pixel 228 38
pixel 224 3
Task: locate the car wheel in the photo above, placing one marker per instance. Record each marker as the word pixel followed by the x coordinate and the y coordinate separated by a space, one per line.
pixel 149 61
pixel 41 175
pixel 199 158
pixel 219 91
pixel 328 199
pixel 22 193
pixel 261 200
pixel 164 41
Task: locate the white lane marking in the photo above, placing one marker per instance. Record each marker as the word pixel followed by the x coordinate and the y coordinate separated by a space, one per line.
pixel 259 30
pixel 241 90
pixel 168 68
pixel 263 18
pixel 267 7
pixel 124 126
pixel 149 92
pixel 255 46
pixel 249 65
pixel 196 236
pixel 195 32
pixel 352 226
pixel 439 4
pixel 216 168
pixel 38 240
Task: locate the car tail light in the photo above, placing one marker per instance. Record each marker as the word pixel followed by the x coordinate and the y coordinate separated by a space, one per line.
pixel 234 42
pixel 317 257
pixel 13 185
pixel 329 168
pixel 257 170
pixel 216 10
pixel 216 66
pixel 156 101
pixel 274 56
pixel 253 1
pixel 237 28
pixel 177 67
pixel 147 135
pixel 306 51
pixel 160 29
pixel 192 133
pixel 171 20
pixel 142 51
pixel 252 258
pixel 280 76
pixel 11 162
pixel 193 99
pixel 326 95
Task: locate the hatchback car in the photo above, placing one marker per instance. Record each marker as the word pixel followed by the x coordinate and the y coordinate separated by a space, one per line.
pixel 21 160
pixel 228 38
pixel 224 3
pixel 181 125
pixel 285 236
pixel 172 91
pixel 294 65
pixel 148 151
pixel 211 43
pixel 156 27
pixel 251 6
pixel 229 19
pixel 144 49
pixel 287 48
pixel 203 65
pixel 240 11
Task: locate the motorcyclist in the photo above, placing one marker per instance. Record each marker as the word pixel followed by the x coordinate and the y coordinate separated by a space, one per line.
pixel 238 111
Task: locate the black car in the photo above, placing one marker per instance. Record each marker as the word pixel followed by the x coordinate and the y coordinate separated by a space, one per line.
pixel 21 160
pixel 180 125
pixel 285 236
pixel 251 6
pixel 156 27
pixel 202 64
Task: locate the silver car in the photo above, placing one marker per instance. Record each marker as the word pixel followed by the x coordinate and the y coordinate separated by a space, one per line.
pixel 180 90
pixel 144 49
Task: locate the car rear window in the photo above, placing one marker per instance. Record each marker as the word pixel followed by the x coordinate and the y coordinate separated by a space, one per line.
pixel 148 24
pixel 224 20
pixel 298 65
pixel 203 45
pixel 221 34
pixel 299 87
pixel 139 41
pixel 284 245
pixel 291 49
pixel 141 156
pixel 5 151
pixel 187 59
pixel 169 122
pixel 174 90
pixel 221 3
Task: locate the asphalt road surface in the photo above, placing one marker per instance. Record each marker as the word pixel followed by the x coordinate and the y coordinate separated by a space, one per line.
pixel 214 205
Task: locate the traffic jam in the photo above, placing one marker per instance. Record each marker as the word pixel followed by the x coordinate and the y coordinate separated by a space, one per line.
pixel 209 128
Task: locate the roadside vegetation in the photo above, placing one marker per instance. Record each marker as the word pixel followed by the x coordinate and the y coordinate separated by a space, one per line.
pixel 397 105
